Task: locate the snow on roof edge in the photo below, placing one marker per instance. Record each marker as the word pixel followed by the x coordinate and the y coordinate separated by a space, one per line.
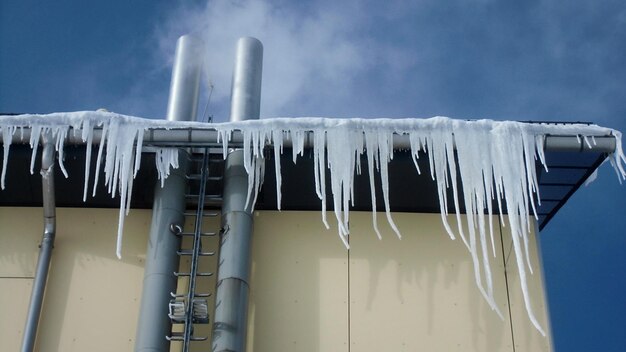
pixel 494 159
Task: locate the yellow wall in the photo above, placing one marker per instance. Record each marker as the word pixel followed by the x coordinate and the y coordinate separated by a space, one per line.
pixel 527 338
pixel 311 294
pixel 91 302
pixel 92 298
pixel 308 293
pixel 299 285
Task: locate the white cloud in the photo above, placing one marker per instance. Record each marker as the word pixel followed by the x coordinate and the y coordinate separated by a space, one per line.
pixel 402 58
pixel 311 60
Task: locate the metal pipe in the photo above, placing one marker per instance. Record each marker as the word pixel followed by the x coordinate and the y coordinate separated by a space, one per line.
pixel 169 207
pixel 605 144
pixel 245 100
pixel 185 85
pixel 161 261
pixel 197 137
pixel 45 249
pixel 233 273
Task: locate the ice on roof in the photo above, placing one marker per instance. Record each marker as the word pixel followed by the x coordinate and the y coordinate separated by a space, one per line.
pixel 493 160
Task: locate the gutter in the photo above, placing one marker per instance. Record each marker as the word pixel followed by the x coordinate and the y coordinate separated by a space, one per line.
pixel 159 137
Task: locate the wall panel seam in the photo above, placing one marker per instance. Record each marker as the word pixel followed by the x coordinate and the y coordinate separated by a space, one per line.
pixel 506 282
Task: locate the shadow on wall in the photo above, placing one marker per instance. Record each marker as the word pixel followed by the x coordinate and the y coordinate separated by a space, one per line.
pixel 420 290
pixel 20 235
pixel 309 292
pixel 299 285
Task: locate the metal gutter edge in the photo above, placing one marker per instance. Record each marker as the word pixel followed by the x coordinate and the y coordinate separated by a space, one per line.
pixel 45 249
pixel 197 137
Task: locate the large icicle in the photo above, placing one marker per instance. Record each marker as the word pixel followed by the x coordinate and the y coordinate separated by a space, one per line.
pixel 493 161
pixel 119 134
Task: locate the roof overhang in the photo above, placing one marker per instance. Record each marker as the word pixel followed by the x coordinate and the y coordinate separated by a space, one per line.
pixel 569 163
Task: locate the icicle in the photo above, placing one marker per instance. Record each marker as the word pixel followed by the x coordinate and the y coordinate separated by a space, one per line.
pixel 416 147
pixel 385 153
pixel 372 157
pixel 495 161
pixel 129 187
pixel 341 168
pixel 297 139
pixel 470 158
pixel 60 134
pixel 7 137
pixel 436 142
pixel 224 135
pixel 452 165
pixel 138 150
pixel 618 159
pixel 254 163
pixel 540 147
pixel 319 163
pixel 165 159
pixel 277 138
pixel 35 134
pixel 110 165
pixel 104 135
pixel 248 164
pixel 89 141
pixel 259 163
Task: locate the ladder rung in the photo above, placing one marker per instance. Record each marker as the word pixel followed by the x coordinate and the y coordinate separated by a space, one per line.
pixel 180 337
pixel 203 214
pixel 212 161
pixel 206 196
pixel 190 252
pixel 208 178
pixel 183 295
pixel 204 234
pixel 189 274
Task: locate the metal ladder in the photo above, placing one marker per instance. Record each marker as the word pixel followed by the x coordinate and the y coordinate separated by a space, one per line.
pixel 191 308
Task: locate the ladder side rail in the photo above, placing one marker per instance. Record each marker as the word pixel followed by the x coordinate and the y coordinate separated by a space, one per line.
pixel 196 248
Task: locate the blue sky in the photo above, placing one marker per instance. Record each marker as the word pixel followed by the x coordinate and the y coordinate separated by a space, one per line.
pixel 518 60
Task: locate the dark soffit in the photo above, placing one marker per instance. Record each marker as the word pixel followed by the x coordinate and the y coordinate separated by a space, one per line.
pixel 409 191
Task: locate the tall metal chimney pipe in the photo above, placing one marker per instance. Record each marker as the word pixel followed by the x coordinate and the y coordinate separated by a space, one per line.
pixel 186 73
pixel 233 273
pixel 169 206
pixel 245 101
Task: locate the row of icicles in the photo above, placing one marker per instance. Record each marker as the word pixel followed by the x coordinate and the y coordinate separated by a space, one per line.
pixel 494 161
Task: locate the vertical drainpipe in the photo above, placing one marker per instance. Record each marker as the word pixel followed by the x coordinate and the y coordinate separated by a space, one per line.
pixel 47 243
pixel 231 297
pixel 169 206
